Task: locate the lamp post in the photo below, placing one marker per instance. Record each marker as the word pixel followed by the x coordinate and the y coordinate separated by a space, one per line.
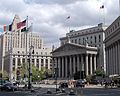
pixel 56 75
pixel 30 67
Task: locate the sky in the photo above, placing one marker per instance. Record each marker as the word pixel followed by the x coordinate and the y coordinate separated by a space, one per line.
pixel 49 17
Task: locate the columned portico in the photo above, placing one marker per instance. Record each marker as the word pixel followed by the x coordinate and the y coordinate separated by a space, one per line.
pixel 86 61
pixel 62 67
pixel 72 61
pixel 91 72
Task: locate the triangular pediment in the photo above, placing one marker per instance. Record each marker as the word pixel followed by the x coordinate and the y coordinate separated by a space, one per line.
pixel 73 49
pixel 69 49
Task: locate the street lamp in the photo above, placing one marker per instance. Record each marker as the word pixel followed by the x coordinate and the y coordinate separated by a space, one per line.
pixel 30 67
pixel 56 75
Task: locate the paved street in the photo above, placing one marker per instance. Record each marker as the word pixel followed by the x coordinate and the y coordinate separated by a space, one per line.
pixel 89 91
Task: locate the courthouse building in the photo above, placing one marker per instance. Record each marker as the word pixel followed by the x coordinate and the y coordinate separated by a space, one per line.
pixel 80 50
pixel 14 53
pixel 112 48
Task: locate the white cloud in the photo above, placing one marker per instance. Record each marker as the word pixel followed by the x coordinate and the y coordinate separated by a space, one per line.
pixel 49 16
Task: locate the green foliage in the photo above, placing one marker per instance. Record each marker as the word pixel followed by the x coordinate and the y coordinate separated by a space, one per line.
pixel 4 74
pixel 89 78
pixel 37 74
pixel 22 70
pixel 100 72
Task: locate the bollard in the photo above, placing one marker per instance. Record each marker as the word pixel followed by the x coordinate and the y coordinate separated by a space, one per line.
pixel 63 90
pixel 49 92
pixel 71 92
pixel 32 90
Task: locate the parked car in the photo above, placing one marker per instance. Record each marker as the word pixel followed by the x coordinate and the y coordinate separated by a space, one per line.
pixel 80 83
pixel 9 87
pixel 63 85
pixel 95 82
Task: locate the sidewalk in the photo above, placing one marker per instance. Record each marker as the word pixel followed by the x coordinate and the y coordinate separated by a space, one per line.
pixel 94 86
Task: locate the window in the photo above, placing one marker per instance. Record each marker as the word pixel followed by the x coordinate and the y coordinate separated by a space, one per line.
pixel 23 60
pixel 19 62
pixel 83 41
pixel 91 37
pixel 75 40
pixel 41 60
pixel 118 24
pixel 79 41
pixel 46 61
pixel 72 41
pixel 13 61
pixel 95 39
pixel 37 60
pixel 99 38
pixel 41 53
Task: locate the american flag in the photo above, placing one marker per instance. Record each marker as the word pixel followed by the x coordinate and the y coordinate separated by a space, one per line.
pixel 20 24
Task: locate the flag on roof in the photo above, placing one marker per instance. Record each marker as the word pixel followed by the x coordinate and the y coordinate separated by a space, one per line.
pixel 23 29
pixel 21 24
pixel 8 27
pixel 102 7
pixel 29 29
pixel 68 17
pixel 5 28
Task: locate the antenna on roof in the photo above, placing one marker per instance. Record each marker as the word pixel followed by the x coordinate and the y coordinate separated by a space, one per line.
pixel 86 42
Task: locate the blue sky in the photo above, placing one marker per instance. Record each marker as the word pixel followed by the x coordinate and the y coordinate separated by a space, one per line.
pixel 49 16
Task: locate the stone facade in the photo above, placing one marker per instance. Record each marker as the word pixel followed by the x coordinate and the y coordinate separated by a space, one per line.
pixel 112 48
pixel 71 58
pixel 15 49
pixel 94 36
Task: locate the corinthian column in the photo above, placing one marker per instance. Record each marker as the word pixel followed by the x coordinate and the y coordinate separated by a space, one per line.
pixel 86 59
pixel 70 65
pixel 66 71
pixel 91 65
pixel 95 63
pixel 59 67
pixel 78 63
pixel 74 64
pixel 62 67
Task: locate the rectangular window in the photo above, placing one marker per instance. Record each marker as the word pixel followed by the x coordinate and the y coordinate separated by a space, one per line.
pixel 99 38
pixel 41 60
pixel 95 39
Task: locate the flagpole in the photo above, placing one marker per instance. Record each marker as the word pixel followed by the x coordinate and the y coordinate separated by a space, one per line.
pixel 68 23
pixel 119 7
pixel 103 13
pixel 30 62
pixel 26 71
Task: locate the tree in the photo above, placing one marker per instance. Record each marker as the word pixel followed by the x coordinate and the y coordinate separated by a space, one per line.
pixel 4 74
pixel 22 71
pixel 37 74
pixel 100 72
